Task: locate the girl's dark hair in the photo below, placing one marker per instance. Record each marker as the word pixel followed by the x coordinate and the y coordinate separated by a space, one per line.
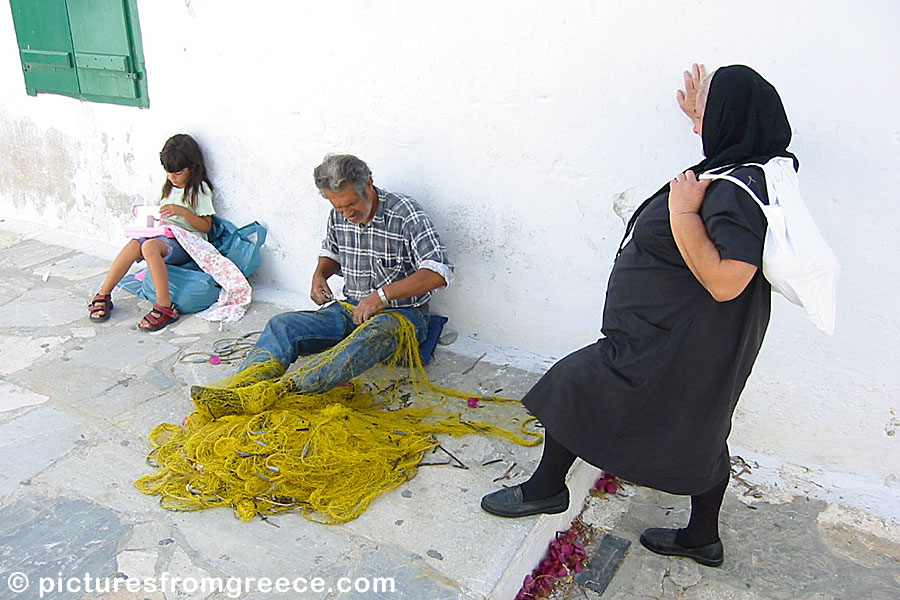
pixel 181 151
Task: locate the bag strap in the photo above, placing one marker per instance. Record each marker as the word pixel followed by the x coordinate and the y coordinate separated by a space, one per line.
pixel 712 174
pixel 254 227
pixel 727 177
pixel 629 228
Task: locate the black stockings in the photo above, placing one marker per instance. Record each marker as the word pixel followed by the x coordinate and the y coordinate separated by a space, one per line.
pixel 703 528
pixel 550 477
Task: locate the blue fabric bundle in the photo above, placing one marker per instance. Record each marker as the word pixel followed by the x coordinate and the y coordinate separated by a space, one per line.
pixel 191 289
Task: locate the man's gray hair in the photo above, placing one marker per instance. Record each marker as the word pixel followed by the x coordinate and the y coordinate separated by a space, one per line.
pixel 339 170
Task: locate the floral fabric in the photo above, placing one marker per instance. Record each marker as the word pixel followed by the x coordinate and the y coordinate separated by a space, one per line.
pixel 235 295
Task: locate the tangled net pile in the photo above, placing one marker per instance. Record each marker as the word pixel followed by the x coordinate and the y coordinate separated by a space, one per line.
pixel 263 449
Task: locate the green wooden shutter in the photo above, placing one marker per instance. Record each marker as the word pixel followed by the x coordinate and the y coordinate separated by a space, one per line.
pixel 45 46
pixel 109 66
pixel 89 49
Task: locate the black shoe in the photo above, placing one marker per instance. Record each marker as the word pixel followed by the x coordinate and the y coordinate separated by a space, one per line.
pixel 508 503
pixel 662 541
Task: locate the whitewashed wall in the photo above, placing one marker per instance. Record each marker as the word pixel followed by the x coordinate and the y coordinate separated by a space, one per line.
pixel 521 126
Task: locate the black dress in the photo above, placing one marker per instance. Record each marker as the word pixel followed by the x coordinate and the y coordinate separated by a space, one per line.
pixel 652 400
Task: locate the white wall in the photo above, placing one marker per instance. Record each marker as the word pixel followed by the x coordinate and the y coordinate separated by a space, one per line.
pixel 520 126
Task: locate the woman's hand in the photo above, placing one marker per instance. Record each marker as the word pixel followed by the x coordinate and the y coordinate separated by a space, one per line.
pixel 687 98
pixel 167 211
pixel 686 194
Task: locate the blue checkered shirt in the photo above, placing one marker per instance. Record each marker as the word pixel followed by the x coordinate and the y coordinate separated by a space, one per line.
pixel 398 241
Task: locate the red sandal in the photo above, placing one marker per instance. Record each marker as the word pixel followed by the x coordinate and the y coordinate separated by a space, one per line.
pixel 100 303
pixel 159 317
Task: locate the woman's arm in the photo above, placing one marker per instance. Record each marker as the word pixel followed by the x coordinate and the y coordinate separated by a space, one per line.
pixel 725 279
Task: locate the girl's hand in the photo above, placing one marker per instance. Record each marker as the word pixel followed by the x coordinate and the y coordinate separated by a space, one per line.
pixel 687 99
pixel 171 210
pixel 686 194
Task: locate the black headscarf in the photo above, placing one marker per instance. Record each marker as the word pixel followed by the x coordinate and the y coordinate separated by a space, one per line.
pixel 743 122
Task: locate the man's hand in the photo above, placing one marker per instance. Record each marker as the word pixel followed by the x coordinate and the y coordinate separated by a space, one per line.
pixel 686 193
pixel 320 292
pixel 325 268
pixel 367 308
pixel 687 99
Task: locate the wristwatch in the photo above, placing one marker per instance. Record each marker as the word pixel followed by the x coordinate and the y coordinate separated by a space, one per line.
pixel 382 295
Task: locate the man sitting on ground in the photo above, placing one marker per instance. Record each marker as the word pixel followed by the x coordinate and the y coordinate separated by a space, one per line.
pixel 386 248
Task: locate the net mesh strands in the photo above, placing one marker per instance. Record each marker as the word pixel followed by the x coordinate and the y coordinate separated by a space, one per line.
pixel 260 447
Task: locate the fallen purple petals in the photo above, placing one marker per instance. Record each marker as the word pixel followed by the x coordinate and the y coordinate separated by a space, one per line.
pixel 607 483
pixel 565 556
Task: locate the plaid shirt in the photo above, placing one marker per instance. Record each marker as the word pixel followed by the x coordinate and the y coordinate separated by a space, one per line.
pixel 398 241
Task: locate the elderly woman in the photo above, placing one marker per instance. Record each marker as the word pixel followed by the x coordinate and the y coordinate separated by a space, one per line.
pixel 686 310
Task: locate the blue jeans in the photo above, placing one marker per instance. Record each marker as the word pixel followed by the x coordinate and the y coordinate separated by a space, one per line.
pixel 293 334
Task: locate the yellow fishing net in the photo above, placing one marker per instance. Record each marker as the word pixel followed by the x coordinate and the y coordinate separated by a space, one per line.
pixel 261 448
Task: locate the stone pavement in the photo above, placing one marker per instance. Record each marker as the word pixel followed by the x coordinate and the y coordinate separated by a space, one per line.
pixel 776 548
pixel 77 401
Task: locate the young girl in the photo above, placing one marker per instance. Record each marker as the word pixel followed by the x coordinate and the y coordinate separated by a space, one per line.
pixel 189 206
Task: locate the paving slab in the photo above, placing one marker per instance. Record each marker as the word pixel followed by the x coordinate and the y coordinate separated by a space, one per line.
pixel 20 351
pixel 136 422
pixel 13 397
pixel 84 332
pixel 42 307
pixel 14 285
pixel 32 442
pixel 101 470
pixel 437 517
pixel 285 546
pixel 417 575
pixel 802 549
pixel 151 535
pixel 137 564
pixel 122 353
pixel 73 268
pixel 70 383
pixel 29 253
pixel 182 566
pixel 52 537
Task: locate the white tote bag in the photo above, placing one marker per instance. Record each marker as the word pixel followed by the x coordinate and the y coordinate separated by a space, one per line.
pixel 797 260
